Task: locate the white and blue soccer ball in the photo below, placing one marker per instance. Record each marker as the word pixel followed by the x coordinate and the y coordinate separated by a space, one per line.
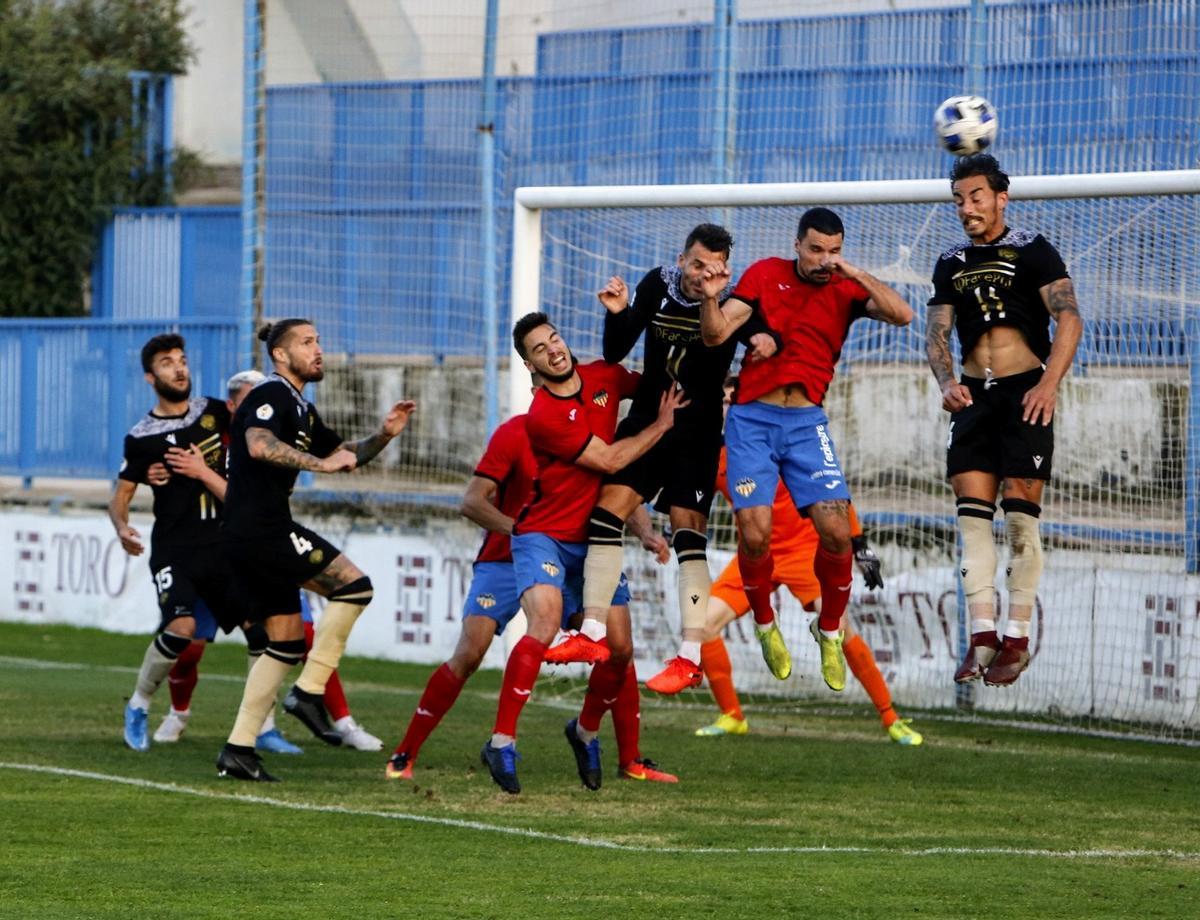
pixel 965 124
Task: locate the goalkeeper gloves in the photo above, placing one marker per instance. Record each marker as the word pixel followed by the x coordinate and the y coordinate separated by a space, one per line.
pixel 867 562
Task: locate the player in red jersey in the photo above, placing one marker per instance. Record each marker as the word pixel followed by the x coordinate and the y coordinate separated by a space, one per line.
pixel 777 427
pixel 571 423
pixel 500 488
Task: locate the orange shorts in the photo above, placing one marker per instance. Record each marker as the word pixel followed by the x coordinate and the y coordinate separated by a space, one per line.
pixel 795 574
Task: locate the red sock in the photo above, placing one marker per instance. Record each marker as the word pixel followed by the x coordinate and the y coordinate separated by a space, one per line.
pixel 1013 642
pixel 183 676
pixel 604 688
pixel 520 675
pixel 440 693
pixel 714 661
pixel 835 576
pixel 335 698
pixel 756 582
pixel 627 718
pixel 862 664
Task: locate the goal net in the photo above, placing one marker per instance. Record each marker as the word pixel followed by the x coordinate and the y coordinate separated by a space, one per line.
pixel 1115 638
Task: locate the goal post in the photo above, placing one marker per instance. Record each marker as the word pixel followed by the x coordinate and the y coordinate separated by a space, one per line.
pixel 1117 636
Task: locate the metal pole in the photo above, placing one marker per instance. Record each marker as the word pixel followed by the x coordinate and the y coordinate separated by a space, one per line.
pixel 487 223
pixel 977 47
pixel 253 172
pixel 725 80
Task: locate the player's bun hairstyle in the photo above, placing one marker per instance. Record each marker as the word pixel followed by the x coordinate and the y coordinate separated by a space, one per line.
pixel 712 237
pixel 272 333
pixel 980 164
pixel 241 378
pixel 822 220
pixel 168 341
pixel 524 326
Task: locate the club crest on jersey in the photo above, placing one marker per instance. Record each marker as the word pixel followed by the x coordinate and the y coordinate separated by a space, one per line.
pixel 550 569
pixel 601 398
pixel 265 411
pixel 316 556
pixel 1006 253
pixel 208 422
pixel 744 487
pixel 486 601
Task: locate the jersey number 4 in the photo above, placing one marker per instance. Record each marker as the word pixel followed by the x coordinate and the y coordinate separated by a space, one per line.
pixel 302 544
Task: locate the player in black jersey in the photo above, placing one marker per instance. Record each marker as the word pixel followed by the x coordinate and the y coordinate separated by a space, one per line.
pixel 682 468
pixel 999 290
pixel 275 434
pixel 185 544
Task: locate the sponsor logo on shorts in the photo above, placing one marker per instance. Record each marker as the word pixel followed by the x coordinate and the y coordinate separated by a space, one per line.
pixel 826 447
pixel 486 601
pixel 550 569
pixel 834 484
pixel 316 556
pixel 265 411
pixel 601 398
pixel 208 422
pixel 744 487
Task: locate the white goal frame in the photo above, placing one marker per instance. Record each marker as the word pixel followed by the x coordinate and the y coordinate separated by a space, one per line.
pixel 530 201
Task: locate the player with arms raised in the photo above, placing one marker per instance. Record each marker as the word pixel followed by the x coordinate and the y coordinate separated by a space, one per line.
pixel 681 468
pixel 570 426
pixel 777 427
pixel 276 433
pixel 999 290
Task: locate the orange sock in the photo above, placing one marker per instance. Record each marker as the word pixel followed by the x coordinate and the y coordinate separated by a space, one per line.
pixel 714 661
pixel 862 664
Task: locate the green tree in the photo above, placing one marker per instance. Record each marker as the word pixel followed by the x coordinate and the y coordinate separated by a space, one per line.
pixel 69 148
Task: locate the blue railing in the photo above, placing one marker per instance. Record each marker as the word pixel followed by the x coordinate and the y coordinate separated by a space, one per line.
pixel 72 388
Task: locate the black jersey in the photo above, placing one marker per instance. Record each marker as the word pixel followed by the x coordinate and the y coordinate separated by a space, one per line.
pixel 186 514
pixel 997 285
pixel 674 350
pixel 256 500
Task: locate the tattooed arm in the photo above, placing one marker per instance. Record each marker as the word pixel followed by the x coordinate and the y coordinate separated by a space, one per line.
pixel 365 449
pixel 1059 297
pixel 263 445
pixel 939 320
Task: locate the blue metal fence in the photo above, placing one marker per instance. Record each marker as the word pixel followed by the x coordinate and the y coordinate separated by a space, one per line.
pixel 73 388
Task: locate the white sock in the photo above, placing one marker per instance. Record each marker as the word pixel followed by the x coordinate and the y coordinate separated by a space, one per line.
pixel 182 715
pixel 980 624
pixel 140 701
pixel 593 629
pixel 584 735
pixel 1017 629
pixel 499 740
pixel 690 650
pixel 830 635
pixel 268 722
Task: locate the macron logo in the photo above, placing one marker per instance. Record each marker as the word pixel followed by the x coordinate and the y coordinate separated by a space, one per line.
pixel 170 439
pixel 1037 461
pixel 961 256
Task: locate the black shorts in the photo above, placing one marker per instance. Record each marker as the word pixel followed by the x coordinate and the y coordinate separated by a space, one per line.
pixel 680 471
pixel 181 578
pixel 273 566
pixel 989 435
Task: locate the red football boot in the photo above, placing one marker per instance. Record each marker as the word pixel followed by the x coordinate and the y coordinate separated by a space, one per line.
pixel 679 674
pixel 1010 661
pixel 577 647
pixel 979 656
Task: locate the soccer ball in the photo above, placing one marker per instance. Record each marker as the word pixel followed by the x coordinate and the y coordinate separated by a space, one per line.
pixel 965 124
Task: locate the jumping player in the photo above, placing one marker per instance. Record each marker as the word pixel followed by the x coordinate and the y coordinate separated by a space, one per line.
pixel 678 472
pixel 276 433
pixel 999 290
pixel 570 424
pixel 777 427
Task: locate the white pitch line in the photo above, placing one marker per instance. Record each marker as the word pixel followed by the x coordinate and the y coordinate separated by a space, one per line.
pixel 594 842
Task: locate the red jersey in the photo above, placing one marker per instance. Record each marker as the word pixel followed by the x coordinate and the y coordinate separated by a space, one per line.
pixel 812 319
pixel 508 462
pixel 559 430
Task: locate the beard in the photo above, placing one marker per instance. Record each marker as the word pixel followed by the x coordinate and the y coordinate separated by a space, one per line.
pixel 560 378
pixel 172 393
pixel 311 374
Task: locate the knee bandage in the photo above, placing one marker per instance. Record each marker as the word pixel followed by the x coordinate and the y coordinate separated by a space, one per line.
pixel 1021 520
pixel 979 550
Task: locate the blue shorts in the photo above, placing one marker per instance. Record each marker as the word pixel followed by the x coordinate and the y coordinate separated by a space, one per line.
pixel 493 594
pixel 206 623
pixel 763 442
pixel 542 560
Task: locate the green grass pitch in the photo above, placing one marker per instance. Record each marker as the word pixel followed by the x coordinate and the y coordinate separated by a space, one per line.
pixel 814 814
